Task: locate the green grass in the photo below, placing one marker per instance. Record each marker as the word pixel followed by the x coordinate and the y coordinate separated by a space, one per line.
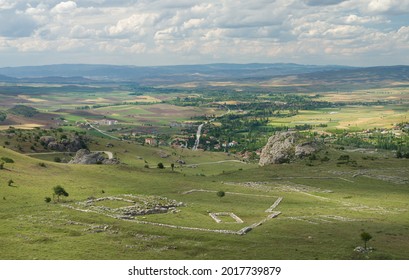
pixel 314 223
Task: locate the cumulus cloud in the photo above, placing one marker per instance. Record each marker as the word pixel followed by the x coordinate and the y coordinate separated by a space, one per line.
pixel 214 30
pixel 6 4
pixel 64 7
pixel 388 6
pixel 134 24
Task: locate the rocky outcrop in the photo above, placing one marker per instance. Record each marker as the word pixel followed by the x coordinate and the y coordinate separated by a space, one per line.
pixel 307 149
pixel 84 156
pixel 65 145
pixel 284 147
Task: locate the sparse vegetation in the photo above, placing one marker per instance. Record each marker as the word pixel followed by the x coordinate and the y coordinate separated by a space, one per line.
pixel 60 191
pixel 7 160
pixel 25 111
pixel 221 194
pixel 365 237
pixel 3 116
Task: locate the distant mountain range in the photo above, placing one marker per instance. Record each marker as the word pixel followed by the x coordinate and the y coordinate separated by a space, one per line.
pixel 283 73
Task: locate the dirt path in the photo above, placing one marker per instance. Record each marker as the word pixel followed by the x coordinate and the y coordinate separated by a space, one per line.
pixel 215 162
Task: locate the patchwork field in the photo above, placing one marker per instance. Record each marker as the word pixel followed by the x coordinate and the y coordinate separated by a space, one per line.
pixel 350 118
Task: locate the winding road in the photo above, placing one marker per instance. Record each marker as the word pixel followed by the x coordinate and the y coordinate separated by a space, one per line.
pixel 199 129
pixel 102 132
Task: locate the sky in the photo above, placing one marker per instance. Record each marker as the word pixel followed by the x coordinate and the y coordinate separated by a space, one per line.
pixel 174 32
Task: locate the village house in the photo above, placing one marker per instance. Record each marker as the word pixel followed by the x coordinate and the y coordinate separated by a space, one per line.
pixel 151 141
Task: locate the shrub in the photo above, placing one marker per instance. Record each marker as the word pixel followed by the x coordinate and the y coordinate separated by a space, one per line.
pixel 313 157
pixel 160 165
pixel 7 160
pixel 221 194
pixel 47 199
pixel 344 157
pixel 325 159
pixel 60 191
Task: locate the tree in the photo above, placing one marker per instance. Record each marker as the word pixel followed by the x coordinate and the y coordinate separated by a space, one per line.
pixel 60 191
pixel 172 165
pixel 221 194
pixel 365 237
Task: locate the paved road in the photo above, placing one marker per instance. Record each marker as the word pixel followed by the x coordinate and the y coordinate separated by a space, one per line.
pixel 199 129
pixel 103 132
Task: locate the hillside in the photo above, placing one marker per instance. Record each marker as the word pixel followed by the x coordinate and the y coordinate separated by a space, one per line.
pixel 156 75
pixel 321 216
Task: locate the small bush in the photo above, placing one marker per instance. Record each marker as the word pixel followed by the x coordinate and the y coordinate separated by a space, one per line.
pixel 344 157
pixel 312 157
pixel 160 165
pixel 221 194
pixel 7 160
pixel 42 164
pixel 47 199
pixel 57 159
pixel 325 159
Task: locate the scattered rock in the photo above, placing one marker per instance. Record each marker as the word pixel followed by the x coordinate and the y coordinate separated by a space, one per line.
pixel 180 161
pixel 362 250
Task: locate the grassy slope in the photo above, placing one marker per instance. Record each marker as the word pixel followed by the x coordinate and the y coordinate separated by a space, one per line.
pixel 32 229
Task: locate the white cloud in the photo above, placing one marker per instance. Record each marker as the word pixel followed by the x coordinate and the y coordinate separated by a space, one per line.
pixel 133 25
pixel 219 30
pixel 355 19
pixel 193 23
pixel 388 6
pixel 6 4
pixel 64 7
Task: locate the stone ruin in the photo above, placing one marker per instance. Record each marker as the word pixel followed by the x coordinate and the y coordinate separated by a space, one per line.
pixel 137 206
